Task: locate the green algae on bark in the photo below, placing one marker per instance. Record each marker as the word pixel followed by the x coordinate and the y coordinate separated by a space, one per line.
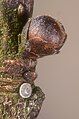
pixel 13 16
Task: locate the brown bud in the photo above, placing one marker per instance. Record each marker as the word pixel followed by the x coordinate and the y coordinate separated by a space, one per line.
pixel 46 35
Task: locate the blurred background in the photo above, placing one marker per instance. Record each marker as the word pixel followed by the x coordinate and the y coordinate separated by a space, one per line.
pixel 58 75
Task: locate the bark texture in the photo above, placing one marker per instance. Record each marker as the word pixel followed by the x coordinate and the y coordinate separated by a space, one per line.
pixel 13 106
pixel 14 68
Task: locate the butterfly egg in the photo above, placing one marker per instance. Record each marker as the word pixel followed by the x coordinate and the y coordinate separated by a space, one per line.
pixel 25 90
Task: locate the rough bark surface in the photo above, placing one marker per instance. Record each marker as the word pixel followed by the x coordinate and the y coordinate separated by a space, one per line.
pixel 13 106
pixel 14 68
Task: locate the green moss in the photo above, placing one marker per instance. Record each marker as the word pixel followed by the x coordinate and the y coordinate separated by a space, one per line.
pixel 10 30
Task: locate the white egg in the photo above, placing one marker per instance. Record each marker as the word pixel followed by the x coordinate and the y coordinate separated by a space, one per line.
pixel 25 90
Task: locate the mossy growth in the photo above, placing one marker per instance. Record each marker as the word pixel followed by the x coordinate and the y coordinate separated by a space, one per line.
pixel 10 32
